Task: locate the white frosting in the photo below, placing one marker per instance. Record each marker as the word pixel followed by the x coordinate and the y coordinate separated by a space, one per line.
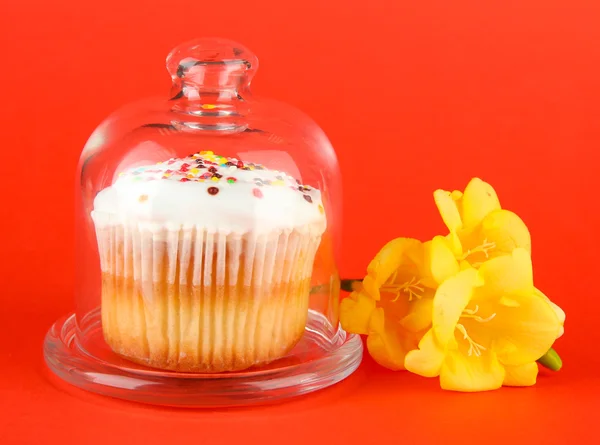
pixel 260 200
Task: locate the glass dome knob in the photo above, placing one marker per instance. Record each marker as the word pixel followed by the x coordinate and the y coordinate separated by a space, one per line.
pixel 211 80
pixel 212 65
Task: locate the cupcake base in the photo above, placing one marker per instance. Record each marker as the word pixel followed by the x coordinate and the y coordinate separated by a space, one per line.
pixel 193 300
pixel 323 357
pixel 196 329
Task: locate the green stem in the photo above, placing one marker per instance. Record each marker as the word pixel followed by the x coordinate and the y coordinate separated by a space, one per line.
pixel 349 284
pixel 551 360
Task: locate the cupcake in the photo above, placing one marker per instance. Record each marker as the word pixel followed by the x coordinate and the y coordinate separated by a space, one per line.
pixel 206 263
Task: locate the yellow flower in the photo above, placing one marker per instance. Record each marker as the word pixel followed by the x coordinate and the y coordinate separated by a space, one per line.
pixel 394 304
pixel 489 326
pixel 479 228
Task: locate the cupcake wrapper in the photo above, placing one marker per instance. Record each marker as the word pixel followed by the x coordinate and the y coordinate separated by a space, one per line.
pixel 188 299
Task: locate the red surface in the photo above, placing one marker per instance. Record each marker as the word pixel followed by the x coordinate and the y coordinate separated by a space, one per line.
pixel 415 95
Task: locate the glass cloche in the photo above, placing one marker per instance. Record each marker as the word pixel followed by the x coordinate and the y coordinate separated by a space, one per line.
pixel 207 227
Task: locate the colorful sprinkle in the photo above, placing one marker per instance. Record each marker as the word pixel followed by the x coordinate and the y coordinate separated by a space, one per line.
pixel 207 166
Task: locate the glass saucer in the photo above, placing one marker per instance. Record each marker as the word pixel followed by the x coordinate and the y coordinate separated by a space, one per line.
pixel 315 363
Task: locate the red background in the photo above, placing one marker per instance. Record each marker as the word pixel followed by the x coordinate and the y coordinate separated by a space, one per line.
pixel 414 94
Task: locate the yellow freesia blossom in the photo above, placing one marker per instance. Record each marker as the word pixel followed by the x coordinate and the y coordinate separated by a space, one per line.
pixel 393 307
pixel 489 326
pixel 479 228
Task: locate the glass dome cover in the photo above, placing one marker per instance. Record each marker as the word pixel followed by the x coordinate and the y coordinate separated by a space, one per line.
pixel 207 227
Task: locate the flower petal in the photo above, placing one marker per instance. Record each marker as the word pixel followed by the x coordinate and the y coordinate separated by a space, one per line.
pixel 450 300
pixel 446 203
pixel 523 334
pixel 427 360
pixel 419 315
pixel 478 201
pixel 385 343
pixel 386 262
pixel 506 301
pixel 557 310
pixel 417 266
pixel 355 312
pixel 440 259
pixel 523 375
pixel 508 275
pixel 455 244
pixel 461 372
pixel 507 231
pixel 464 265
